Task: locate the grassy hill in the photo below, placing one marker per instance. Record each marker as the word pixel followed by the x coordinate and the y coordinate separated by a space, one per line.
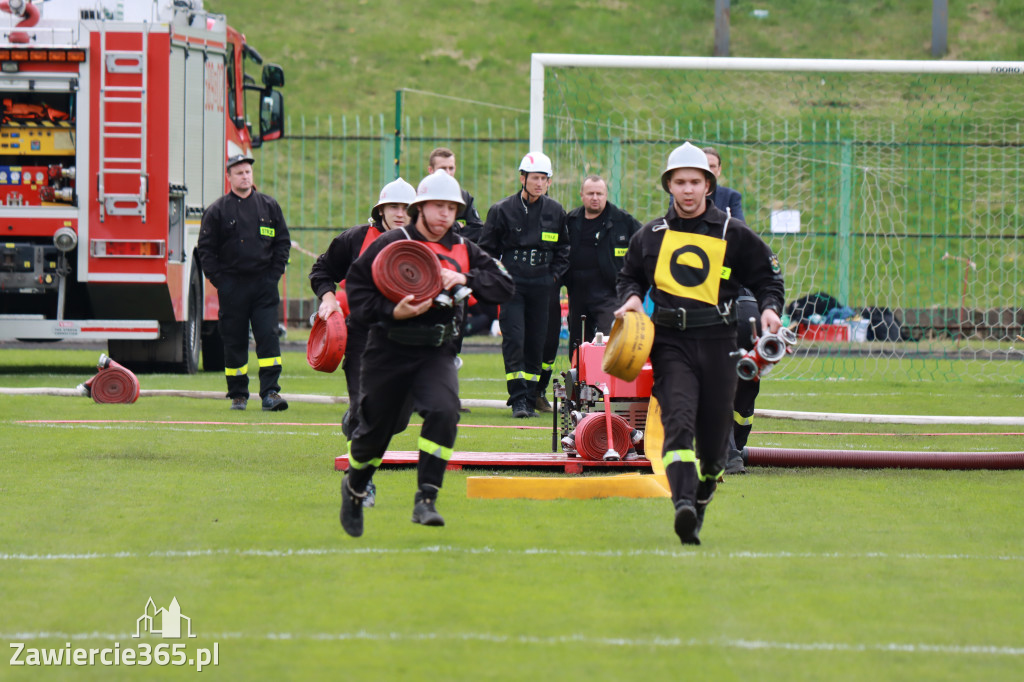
pixel 350 57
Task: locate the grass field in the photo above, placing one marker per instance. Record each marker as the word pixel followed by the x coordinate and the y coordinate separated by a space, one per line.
pixel 804 574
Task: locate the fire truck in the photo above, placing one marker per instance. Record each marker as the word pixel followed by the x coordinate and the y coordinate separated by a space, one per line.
pixel 116 118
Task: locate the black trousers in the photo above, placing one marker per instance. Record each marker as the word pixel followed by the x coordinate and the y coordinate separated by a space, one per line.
pixel 524 321
pixel 695 384
pixel 246 301
pixel 552 335
pixel 746 391
pixel 395 379
pixel 595 298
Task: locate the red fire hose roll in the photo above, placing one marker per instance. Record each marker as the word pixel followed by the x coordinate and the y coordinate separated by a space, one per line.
pixel 592 436
pixel 407 267
pixel 326 345
pixel 113 383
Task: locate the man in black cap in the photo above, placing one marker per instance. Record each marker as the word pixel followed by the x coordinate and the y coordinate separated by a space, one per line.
pixel 243 248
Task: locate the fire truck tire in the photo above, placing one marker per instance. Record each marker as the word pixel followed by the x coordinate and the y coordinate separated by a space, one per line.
pixel 192 326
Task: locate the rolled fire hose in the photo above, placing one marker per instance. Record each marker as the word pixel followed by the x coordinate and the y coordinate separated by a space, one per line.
pixel 112 383
pixel 629 345
pixel 326 345
pixel 407 267
pixel 592 435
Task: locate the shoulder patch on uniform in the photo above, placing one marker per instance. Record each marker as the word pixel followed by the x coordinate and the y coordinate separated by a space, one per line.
pixel 774 262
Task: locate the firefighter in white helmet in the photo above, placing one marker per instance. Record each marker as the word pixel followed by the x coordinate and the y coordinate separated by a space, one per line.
pixel 331 268
pixel 694 261
pixel 409 357
pixel 527 232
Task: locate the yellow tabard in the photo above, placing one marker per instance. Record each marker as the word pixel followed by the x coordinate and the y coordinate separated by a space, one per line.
pixel 690 266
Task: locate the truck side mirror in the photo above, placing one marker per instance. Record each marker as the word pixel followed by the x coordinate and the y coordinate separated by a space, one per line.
pixel 271 117
pixel 273 76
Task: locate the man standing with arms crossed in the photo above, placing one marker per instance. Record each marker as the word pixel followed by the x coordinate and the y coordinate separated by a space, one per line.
pixel 243 248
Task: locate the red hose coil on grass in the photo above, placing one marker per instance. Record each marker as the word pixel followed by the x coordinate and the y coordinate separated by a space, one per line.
pixel 592 436
pixel 407 267
pixel 113 383
pixel 326 345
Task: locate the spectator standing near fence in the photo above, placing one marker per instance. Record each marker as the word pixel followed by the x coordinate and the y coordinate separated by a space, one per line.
pixel 693 261
pixel 526 231
pixel 243 247
pixel 599 234
pixel 469 223
pixel 409 357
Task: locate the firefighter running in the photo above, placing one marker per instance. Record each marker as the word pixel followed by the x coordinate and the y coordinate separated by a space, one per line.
pixel 693 261
pixel 410 353
pixel 332 266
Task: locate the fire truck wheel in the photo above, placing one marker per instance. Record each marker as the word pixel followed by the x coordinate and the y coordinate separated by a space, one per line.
pixel 192 325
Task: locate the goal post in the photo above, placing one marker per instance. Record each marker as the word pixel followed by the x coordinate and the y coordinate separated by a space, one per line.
pixel 895 187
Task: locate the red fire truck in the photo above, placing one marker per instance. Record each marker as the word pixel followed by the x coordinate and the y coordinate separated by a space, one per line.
pixel 116 117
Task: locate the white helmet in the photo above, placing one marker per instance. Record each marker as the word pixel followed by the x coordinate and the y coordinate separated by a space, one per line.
pixel 536 162
pixel 396 192
pixel 438 187
pixel 688 156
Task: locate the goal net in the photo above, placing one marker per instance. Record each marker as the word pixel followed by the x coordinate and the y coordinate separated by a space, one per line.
pixel 891 190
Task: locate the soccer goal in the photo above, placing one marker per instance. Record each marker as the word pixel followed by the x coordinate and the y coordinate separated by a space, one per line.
pixel 892 187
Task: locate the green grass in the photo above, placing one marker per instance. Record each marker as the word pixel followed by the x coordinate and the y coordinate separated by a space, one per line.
pixel 805 574
pixel 342 57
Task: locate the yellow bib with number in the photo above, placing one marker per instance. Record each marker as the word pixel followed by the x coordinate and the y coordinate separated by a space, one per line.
pixel 691 266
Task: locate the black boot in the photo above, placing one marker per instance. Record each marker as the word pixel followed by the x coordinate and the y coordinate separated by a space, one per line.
pixel 686 522
pixel 705 492
pixel 351 508
pixel 423 511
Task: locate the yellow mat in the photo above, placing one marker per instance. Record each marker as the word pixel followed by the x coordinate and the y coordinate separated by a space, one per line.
pixel 566 488
pixel 654 437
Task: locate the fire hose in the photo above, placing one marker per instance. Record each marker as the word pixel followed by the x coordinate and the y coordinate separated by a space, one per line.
pixel 884 459
pixel 407 267
pixel 592 432
pixel 326 345
pixel 21 8
pixel 112 383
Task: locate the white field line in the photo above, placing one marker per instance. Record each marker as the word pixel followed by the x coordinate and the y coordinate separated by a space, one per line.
pixel 530 551
pixel 558 640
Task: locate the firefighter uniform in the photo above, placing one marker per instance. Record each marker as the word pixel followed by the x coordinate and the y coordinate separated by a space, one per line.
pixel 694 269
pixel 412 362
pixel 532 242
pixel 243 248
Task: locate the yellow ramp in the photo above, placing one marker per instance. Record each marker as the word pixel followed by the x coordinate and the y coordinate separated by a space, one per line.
pixel 566 488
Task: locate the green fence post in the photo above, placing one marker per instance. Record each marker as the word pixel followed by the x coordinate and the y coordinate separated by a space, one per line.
pixel 845 221
pixel 615 171
pixel 398 132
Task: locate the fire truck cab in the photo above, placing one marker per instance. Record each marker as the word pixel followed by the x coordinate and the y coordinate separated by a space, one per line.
pixel 116 118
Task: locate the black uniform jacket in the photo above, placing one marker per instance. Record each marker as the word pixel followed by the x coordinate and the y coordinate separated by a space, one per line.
pixel 487 278
pixel 614 235
pixel 243 237
pixel 332 265
pixel 470 225
pixel 748 262
pixel 507 229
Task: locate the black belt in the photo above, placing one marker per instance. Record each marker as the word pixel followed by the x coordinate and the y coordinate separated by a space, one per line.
pixel 531 257
pixel 424 336
pixel 683 319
